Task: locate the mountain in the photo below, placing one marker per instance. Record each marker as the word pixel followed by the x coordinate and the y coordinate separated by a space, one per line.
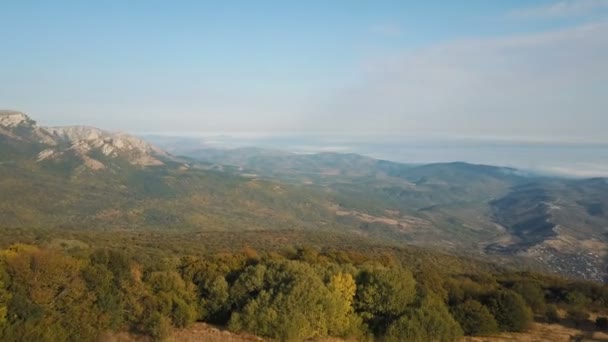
pixel 79 178
pixel 22 138
pixel 560 223
pixel 86 178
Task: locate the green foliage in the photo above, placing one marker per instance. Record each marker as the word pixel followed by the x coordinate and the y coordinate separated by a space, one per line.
pixel 176 298
pixel 215 299
pixel 295 304
pixel 383 295
pixel 48 290
pixel 533 294
pixel 474 318
pixel 429 278
pixel 429 322
pixel 577 299
pixel 509 309
pixel 59 292
pixel 158 326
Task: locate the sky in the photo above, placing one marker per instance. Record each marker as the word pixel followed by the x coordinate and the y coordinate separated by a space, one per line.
pixel 480 69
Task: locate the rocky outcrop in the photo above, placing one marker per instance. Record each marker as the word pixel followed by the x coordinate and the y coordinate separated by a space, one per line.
pixel 19 126
pixel 91 145
pixel 83 140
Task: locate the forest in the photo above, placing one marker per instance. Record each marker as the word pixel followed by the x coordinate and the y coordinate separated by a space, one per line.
pixel 66 292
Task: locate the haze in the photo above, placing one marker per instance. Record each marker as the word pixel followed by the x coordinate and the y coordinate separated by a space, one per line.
pixel 517 70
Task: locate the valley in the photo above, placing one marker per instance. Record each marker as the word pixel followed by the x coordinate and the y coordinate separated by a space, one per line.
pixel 146 244
pixel 75 176
pixel 321 171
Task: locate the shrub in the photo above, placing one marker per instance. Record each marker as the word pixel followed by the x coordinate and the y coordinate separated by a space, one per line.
pixel 431 322
pixel 533 294
pixel 577 316
pixel 551 314
pixel 474 318
pixel 601 323
pixel 510 310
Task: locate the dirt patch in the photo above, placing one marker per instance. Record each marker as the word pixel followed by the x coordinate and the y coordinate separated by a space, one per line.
pixel 201 332
pixel 542 333
pixel 403 223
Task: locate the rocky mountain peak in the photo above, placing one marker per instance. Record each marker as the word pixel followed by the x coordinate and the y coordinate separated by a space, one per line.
pixel 84 139
pixel 86 143
pixel 18 126
pixel 10 118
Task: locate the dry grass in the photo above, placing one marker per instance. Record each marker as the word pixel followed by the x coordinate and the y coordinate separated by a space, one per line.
pixel 544 333
pixel 201 332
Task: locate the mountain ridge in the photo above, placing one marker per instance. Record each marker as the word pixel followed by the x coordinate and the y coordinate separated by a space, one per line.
pixel 94 178
pixel 92 145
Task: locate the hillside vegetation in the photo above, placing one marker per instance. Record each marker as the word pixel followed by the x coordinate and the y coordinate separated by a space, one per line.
pixel 86 178
pixel 106 234
pixel 69 290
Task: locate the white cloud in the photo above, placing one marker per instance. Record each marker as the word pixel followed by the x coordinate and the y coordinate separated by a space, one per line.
pixel 565 8
pixel 548 85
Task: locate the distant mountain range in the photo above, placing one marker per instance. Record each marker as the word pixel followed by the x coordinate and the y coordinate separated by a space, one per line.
pixel 86 178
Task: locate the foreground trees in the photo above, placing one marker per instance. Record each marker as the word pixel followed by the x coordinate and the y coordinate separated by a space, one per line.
pixel 53 295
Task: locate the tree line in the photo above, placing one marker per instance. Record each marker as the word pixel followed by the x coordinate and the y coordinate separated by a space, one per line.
pixel 49 294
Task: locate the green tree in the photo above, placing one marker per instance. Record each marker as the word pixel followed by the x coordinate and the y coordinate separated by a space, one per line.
pixel 215 297
pixel 295 304
pixel 383 295
pixel 50 297
pixel 430 322
pixel 248 284
pixel 533 294
pixel 342 320
pixel 474 318
pixel 158 326
pixel 174 297
pixel 510 310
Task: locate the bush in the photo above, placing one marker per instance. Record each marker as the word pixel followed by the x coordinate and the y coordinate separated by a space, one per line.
pixel 510 310
pixel 577 316
pixel 551 314
pixel 601 323
pixel 533 294
pixel 431 322
pixel 158 327
pixel 578 299
pixel 383 295
pixel 474 318
pixel 297 305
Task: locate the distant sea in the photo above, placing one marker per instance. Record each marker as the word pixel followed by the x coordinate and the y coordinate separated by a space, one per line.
pixel 552 158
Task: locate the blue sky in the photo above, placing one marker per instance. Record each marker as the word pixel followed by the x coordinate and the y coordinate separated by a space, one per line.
pixel 529 70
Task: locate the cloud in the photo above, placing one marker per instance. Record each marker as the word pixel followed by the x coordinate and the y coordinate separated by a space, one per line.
pixel 548 85
pixel 561 9
pixel 585 170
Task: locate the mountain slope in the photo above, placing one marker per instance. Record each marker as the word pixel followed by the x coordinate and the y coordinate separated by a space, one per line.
pixel 560 223
pixel 86 178
pixel 22 139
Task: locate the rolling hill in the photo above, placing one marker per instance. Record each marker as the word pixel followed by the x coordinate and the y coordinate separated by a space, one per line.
pixel 84 178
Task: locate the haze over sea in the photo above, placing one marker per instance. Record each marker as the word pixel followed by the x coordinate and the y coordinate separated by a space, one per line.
pixel 568 159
